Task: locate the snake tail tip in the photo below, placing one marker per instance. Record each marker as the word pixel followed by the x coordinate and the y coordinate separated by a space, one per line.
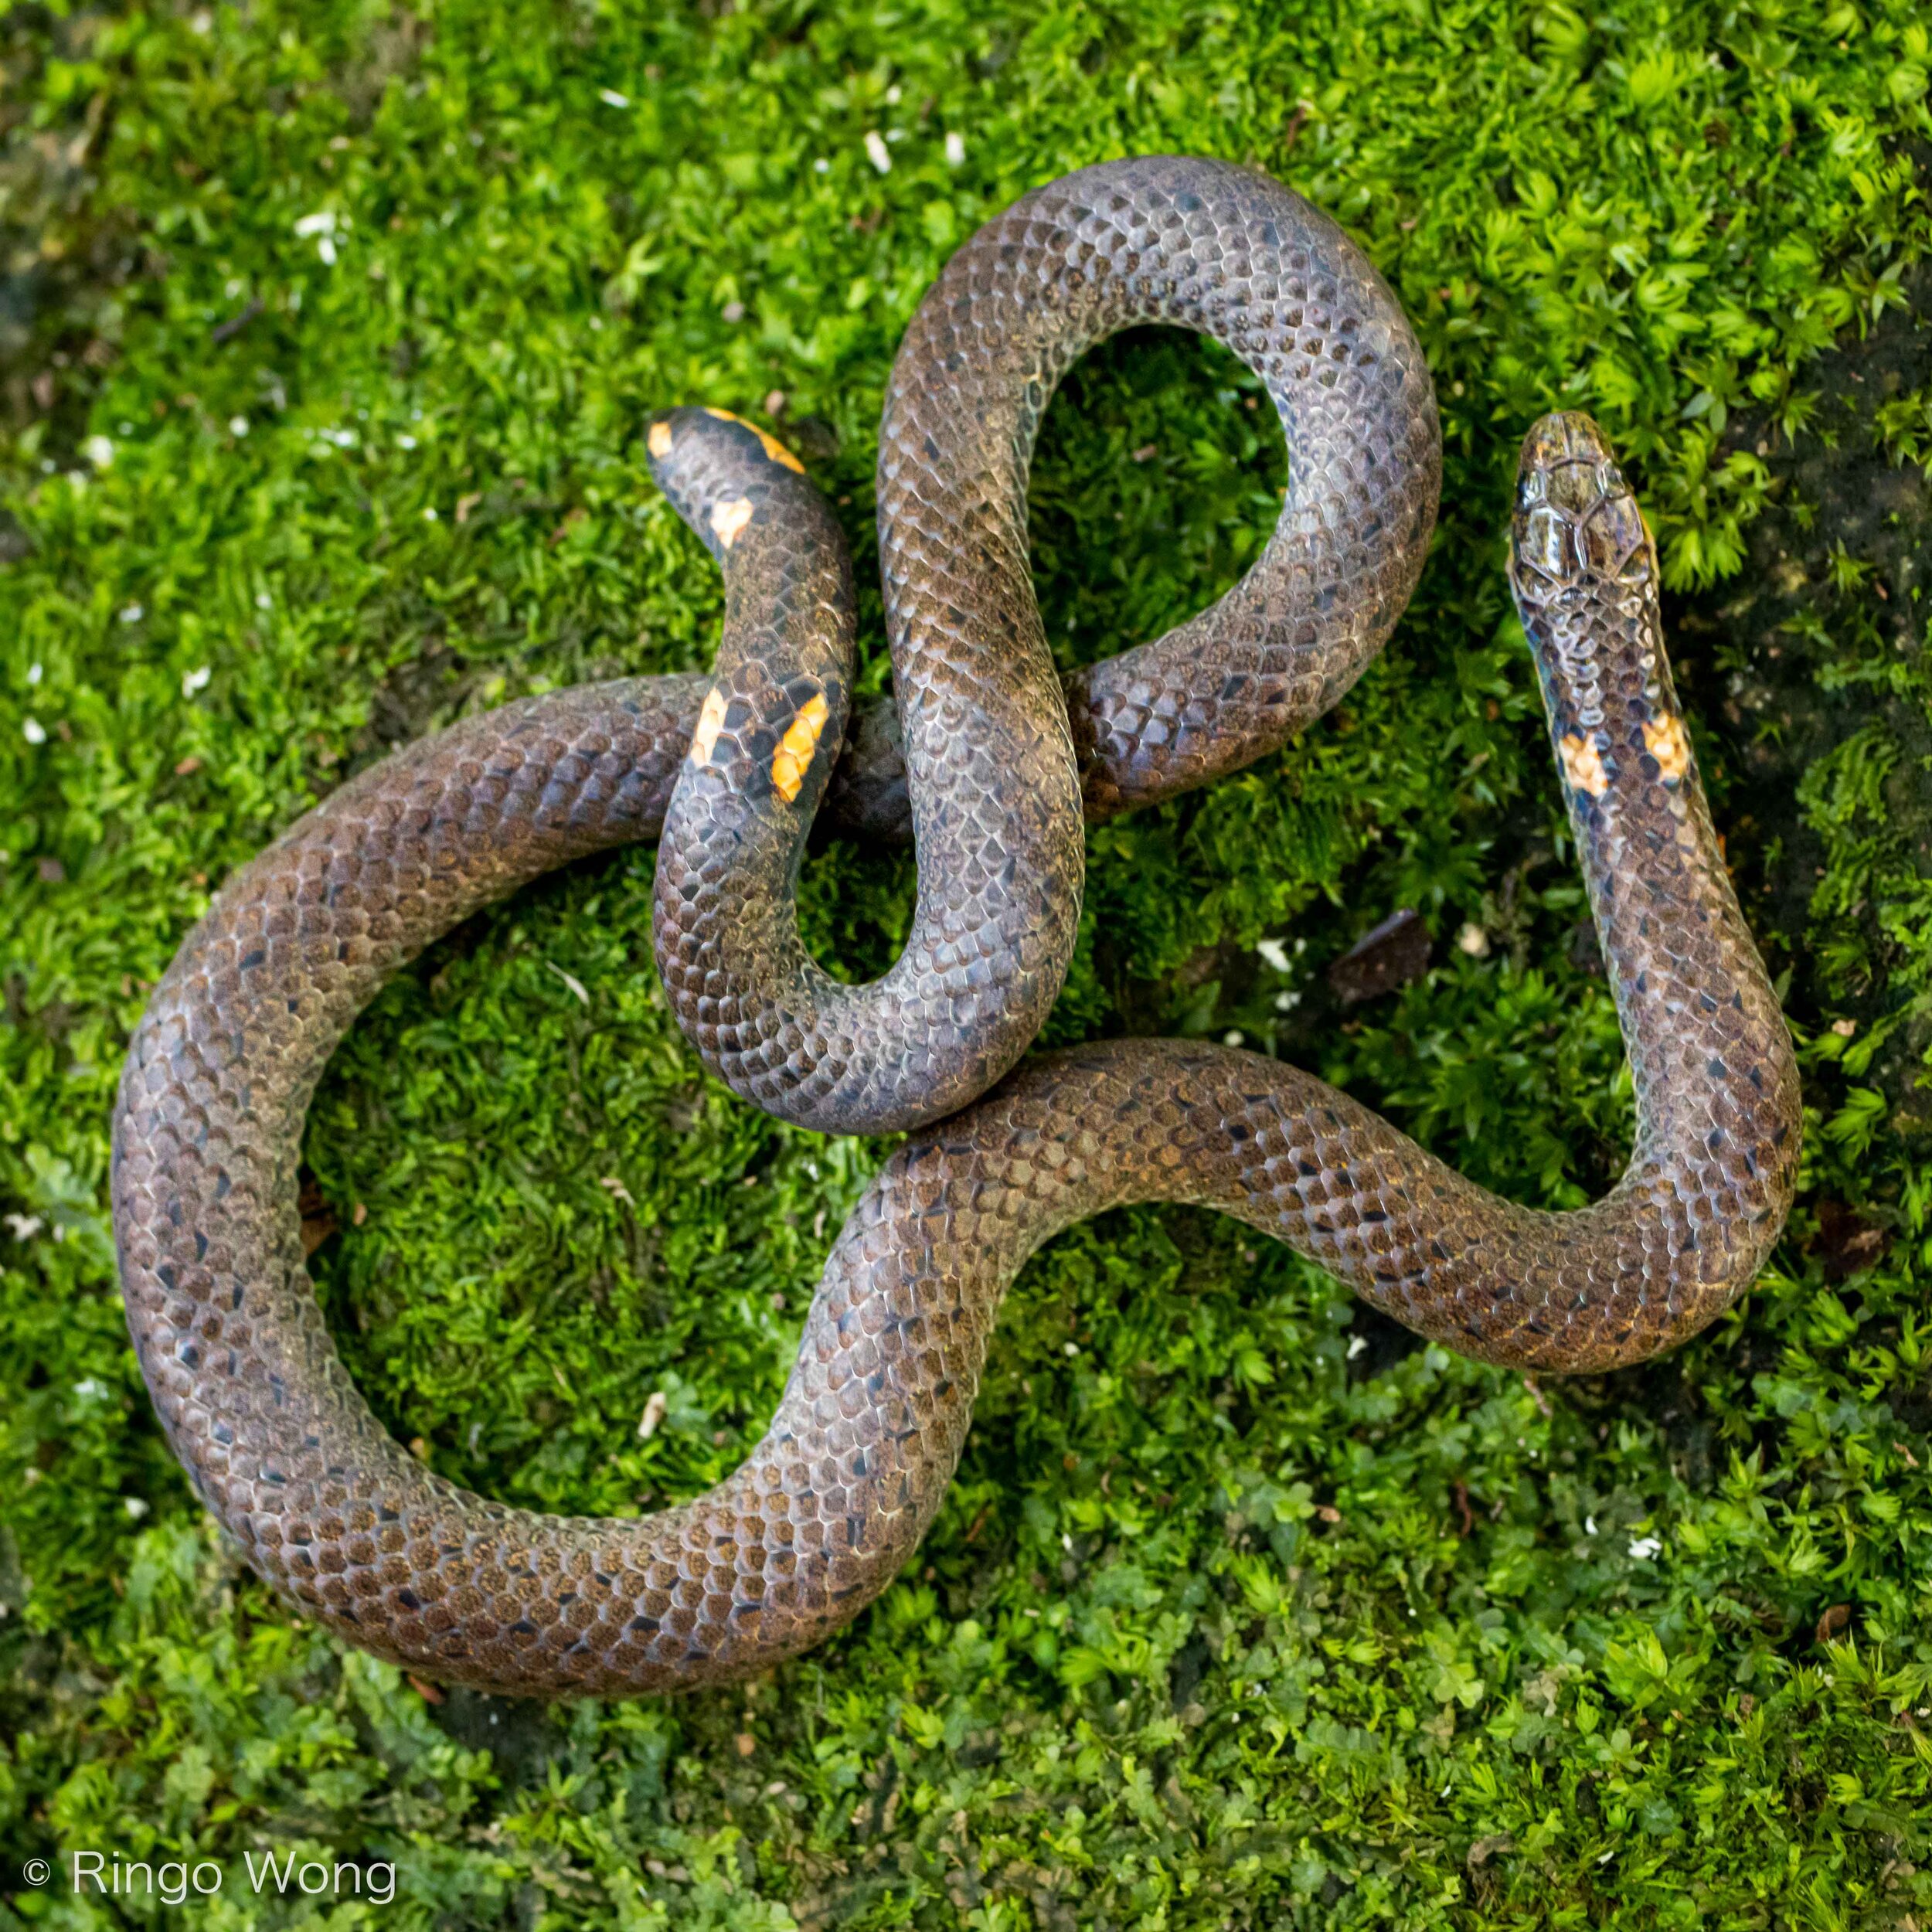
pixel 673 436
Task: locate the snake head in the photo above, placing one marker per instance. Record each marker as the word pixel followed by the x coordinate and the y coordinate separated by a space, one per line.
pixel 1577 523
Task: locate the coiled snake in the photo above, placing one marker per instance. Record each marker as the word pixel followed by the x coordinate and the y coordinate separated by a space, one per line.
pixel 999 762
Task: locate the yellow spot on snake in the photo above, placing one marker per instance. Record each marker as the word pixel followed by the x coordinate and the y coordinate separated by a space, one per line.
pixel 1666 742
pixel 772 448
pixel 660 439
pixel 727 519
pixel 710 722
pixel 793 758
pixel 1583 765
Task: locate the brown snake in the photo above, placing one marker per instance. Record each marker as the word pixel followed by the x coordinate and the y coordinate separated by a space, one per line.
pixel 207 1133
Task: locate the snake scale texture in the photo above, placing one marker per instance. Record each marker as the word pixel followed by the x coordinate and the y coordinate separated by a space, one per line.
pixel 992 760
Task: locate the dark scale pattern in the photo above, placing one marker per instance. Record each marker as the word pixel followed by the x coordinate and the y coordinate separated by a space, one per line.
pixel 995 780
pixel 257 1403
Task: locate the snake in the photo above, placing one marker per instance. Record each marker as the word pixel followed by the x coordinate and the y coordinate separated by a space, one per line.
pixel 993 762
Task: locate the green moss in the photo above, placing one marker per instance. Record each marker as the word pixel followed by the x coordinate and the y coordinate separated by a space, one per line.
pixel 1242 1613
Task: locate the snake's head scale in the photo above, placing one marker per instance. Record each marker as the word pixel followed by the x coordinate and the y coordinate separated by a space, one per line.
pixel 1577 526
pixel 719 472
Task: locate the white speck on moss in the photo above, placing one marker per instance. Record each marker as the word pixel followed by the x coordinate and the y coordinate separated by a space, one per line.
pixel 196 680
pixel 955 151
pixel 876 152
pixel 34 731
pixel 576 986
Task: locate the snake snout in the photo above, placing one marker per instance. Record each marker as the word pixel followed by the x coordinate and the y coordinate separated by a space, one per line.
pixel 1562 437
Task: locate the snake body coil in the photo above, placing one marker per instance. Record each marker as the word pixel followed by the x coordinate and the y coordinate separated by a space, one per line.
pixel 995 777
pixel 997 765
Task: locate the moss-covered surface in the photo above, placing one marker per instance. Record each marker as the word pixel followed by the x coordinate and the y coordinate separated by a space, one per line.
pixel 327 331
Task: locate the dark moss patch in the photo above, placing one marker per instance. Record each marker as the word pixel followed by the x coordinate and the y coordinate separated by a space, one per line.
pixel 1811 669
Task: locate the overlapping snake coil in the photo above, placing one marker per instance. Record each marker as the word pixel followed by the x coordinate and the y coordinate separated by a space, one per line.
pixel 994 760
